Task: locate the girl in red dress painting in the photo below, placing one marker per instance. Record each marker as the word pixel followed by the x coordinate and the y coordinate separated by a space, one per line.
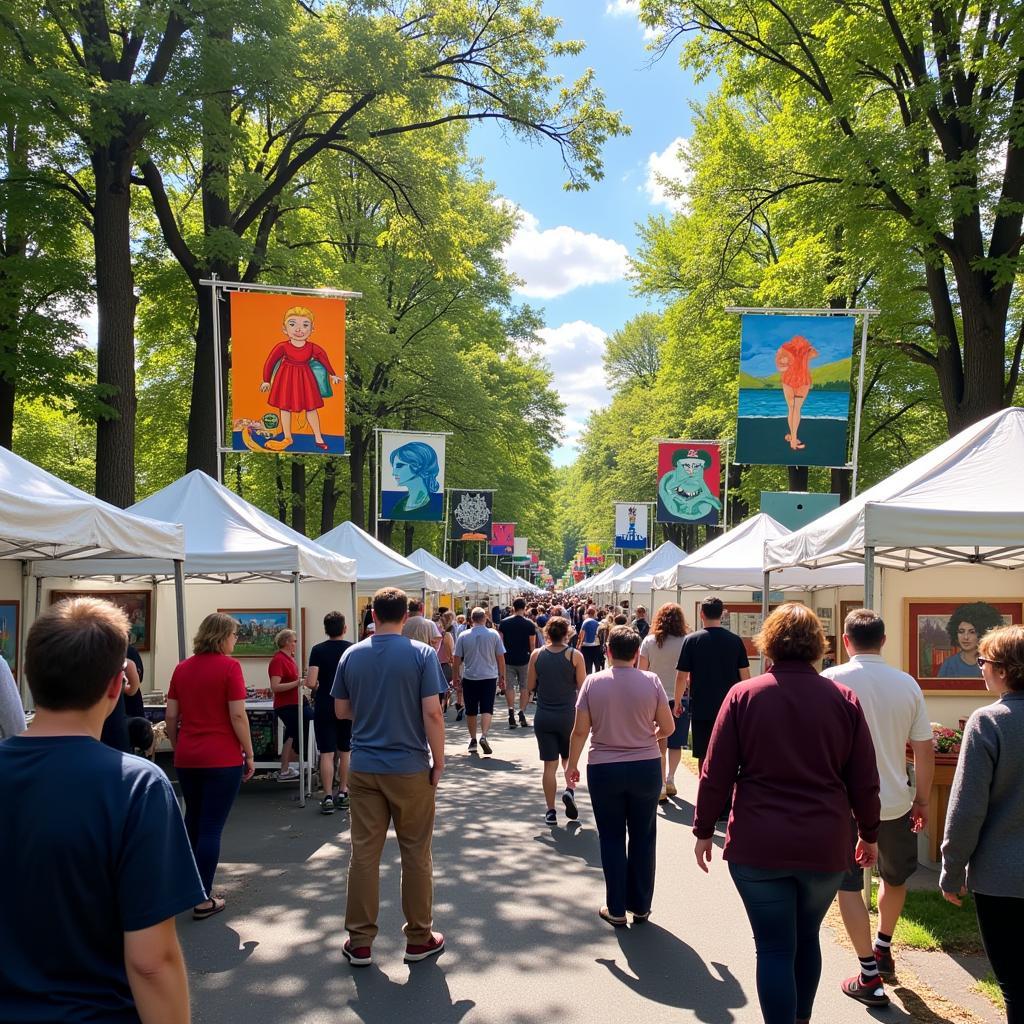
pixel 793 360
pixel 294 388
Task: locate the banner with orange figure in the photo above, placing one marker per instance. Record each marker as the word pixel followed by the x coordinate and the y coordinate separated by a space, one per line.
pixel 287 373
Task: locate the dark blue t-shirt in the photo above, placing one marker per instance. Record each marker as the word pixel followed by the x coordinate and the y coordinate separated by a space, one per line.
pixel 81 873
pixel 589 630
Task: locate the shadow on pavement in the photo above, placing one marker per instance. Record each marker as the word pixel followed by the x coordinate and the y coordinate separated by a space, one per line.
pixel 379 1000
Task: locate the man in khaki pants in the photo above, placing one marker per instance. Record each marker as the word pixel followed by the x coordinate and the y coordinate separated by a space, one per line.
pixel 388 685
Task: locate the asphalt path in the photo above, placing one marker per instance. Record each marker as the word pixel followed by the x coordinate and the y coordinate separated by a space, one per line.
pixel 516 899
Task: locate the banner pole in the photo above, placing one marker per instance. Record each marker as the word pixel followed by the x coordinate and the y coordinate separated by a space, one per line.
pixel 218 370
pixel 376 484
pixel 866 315
pixel 725 500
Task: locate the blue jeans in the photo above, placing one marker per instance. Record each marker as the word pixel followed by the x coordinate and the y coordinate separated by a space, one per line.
pixel 209 794
pixel 624 797
pixel 786 908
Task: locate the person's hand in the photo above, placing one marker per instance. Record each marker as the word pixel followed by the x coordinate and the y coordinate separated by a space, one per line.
pixel 678 709
pixel 919 816
pixel 572 776
pixel 435 773
pixel 264 386
pixel 248 767
pixel 702 851
pixel 335 380
pixel 866 854
pixel 956 898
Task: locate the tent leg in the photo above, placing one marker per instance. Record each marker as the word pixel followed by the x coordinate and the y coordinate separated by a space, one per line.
pixel 296 577
pixel 869 576
pixel 179 607
pixel 766 593
pixel 355 611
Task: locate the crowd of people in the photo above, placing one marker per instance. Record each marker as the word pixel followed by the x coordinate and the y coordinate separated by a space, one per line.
pixel 806 771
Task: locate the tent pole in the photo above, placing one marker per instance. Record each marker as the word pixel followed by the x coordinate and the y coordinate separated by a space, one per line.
pixel 300 709
pixel 179 607
pixel 355 610
pixel 766 593
pixel 869 576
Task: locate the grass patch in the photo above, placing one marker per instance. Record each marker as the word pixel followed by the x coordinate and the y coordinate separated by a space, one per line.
pixel 989 988
pixel 929 922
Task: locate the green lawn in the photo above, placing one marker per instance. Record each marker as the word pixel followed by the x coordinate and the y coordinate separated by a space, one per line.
pixel 989 988
pixel 929 922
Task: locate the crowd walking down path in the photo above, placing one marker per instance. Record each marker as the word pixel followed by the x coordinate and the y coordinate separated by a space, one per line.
pixel 517 901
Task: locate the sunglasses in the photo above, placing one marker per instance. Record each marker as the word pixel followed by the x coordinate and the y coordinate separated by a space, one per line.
pixel 988 661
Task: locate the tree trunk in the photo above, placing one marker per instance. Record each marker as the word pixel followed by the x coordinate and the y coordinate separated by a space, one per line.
pixel 282 500
pixel 385 529
pixel 205 434
pixel 841 479
pixel 984 312
pixel 7 390
pixel 738 508
pixel 356 444
pixel 115 350
pixel 797 477
pixel 238 478
pixel 329 502
pixel 407 545
pixel 299 495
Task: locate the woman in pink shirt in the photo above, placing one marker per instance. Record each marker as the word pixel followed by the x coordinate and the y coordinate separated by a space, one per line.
pixel 625 712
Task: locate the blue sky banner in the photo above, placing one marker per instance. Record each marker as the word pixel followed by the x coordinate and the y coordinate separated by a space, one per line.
pixel 412 476
pixel 794 400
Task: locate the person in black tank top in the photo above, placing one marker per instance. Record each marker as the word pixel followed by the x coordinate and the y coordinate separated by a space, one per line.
pixel 555 674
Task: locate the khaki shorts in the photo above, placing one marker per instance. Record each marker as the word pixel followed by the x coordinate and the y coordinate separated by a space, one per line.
pixel 515 677
pixel 897 855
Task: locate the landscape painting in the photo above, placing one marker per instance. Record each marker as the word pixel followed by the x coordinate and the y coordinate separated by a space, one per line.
pixel 257 628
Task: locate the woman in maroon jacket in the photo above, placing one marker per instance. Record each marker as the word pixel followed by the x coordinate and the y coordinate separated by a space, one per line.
pixel 797 749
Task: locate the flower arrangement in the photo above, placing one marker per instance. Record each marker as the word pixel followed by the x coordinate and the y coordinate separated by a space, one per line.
pixel 946 740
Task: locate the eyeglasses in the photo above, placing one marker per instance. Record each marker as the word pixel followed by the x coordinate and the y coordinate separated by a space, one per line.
pixel 235 634
pixel 982 662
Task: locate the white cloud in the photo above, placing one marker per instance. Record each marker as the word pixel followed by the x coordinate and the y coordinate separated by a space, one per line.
pixel 558 260
pixel 617 8
pixel 668 166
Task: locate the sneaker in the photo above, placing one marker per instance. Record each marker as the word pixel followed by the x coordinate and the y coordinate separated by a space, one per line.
pixel 869 995
pixel 460 712
pixel 512 723
pixel 551 818
pixel 327 805
pixel 522 720
pixel 670 789
pixel 413 954
pixel 572 812
pixel 341 802
pixel 886 963
pixel 360 956
pixel 288 775
pixel 472 745
pixel 484 745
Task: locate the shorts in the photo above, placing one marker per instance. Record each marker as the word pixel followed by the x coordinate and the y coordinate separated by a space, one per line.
pixel 478 696
pixel 681 733
pixel 701 735
pixel 333 734
pixel 288 716
pixel 897 854
pixel 552 729
pixel 515 677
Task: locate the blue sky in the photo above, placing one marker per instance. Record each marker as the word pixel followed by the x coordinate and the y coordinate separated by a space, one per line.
pixel 571 248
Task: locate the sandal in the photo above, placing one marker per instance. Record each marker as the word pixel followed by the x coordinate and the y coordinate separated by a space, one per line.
pixel 202 911
pixel 615 922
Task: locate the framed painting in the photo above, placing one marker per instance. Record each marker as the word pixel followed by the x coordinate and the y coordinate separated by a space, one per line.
pixel 257 628
pixel 10 623
pixel 136 604
pixel 942 639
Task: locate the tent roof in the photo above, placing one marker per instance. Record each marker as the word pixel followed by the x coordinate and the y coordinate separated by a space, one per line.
pixel 639 575
pixel 452 578
pixel 474 574
pixel 376 564
pixel 496 577
pixel 606 575
pixel 43 517
pixel 224 535
pixel 962 502
pixel 734 561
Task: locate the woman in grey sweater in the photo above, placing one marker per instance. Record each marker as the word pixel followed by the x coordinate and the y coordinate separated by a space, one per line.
pixel 983 847
pixel 12 714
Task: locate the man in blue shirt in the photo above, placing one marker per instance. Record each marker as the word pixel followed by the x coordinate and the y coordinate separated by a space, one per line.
pixel 388 684
pixel 87 931
pixel 479 663
pixel 590 646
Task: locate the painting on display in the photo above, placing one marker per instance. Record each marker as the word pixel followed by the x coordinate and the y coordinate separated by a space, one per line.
pixel 631 531
pixel 10 620
pixel 411 476
pixel 470 513
pixel 502 540
pixel 287 361
pixel 943 637
pixel 136 604
pixel 845 607
pixel 794 395
pixel 257 628
pixel 689 479
pixel 742 618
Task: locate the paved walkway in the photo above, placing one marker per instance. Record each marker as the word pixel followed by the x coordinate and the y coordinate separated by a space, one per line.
pixel 516 900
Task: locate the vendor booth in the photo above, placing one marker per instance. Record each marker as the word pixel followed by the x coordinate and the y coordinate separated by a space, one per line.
pixel 481 586
pixel 635 583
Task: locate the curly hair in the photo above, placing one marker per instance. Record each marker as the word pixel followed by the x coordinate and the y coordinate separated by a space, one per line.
pixel 1004 646
pixel 980 614
pixel 669 620
pixel 792 633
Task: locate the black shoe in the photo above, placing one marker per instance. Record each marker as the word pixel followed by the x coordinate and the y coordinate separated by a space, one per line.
pixel 551 818
pixel 512 724
pixel 472 746
pixel 572 812
pixel 484 745
pixel 460 712
pixel 522 720
pixel 327 805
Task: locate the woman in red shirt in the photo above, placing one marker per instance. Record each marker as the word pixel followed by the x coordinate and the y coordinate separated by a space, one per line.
pixel 285 682
pixel 209 732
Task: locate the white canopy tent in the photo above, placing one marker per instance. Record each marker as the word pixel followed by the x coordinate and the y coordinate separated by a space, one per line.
pixel 454 581
pixel 377 565
pixel 498 580
pixel 960 503
pixel 638 577
pixel 482 584
pixel 599 579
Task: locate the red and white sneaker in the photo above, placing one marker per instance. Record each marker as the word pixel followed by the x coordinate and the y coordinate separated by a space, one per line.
pixel 869 995
pixel 358 956
pixel 413 954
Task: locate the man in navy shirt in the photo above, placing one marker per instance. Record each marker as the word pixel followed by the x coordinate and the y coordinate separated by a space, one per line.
pixel 88 932
pixel 519 636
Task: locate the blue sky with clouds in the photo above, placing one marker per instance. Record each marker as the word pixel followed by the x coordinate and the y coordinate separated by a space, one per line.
pixel 571 248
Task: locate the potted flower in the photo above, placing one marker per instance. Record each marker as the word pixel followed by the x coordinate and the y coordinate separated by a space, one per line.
pixel 946 740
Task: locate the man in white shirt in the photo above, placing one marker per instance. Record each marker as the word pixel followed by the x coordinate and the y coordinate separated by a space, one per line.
pixel 896 715
pixel 418 627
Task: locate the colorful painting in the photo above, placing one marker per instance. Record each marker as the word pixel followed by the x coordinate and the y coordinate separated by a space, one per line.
pixel 689 478
pixel 10 621
pixel 503 537
pixel 136 604
pixel 287 361
pixel 794 400
pixel 411 476
pixel 943 636
pixel 470 513
pixel 257 628
pixel 631 530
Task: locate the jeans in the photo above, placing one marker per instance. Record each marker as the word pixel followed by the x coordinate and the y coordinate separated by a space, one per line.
pixel 209 794
pixel 999 919
pixel 786 908
pixel 624 796
pixel 590 652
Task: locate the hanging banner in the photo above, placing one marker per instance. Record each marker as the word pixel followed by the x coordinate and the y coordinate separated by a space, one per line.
pixel 519 547
pixel 470 513
pixel 502 538
pixel 594 555
pixel 794 399
pixel 411 476
pixel 631 530
pixel 287 361
pixel 689 477
pixel 534 554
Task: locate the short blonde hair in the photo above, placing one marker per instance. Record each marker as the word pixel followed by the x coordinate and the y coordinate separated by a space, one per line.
pixel 1004 646
pixel 299 311
pixel 213 633
pixel 283 637
pixel 792 633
